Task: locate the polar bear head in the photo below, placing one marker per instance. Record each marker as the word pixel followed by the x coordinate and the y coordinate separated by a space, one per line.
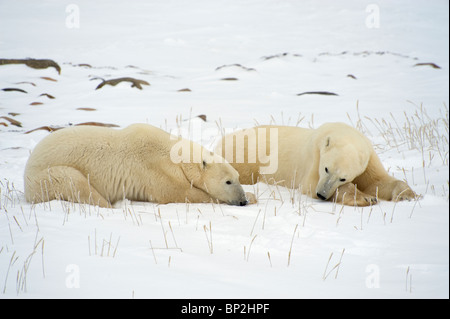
pixel 344 155
pixel 216 177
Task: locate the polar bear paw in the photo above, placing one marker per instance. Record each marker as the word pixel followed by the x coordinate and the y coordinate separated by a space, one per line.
pixel 251 198
pixel 348 194
pixel 403 192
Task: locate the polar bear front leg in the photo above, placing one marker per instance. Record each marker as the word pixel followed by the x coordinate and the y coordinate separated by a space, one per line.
pixel 348 194
pixel 391 189
pixel 375 181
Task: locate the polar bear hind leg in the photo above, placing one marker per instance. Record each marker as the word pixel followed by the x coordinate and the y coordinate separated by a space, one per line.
pixel 62 183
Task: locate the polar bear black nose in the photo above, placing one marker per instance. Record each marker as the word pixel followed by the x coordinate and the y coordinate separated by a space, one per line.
pixel 243 203
pixel 321 196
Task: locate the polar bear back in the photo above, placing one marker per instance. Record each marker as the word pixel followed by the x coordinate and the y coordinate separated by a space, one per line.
pixel 141 162
pixel 111 159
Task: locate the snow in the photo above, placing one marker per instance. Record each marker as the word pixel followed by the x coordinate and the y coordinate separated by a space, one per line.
pixel 287 245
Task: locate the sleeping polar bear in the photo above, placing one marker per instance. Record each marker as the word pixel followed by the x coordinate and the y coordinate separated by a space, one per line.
pixel 333 162
pixel 98 165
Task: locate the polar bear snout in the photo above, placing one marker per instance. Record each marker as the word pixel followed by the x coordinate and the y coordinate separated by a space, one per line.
pixel 241 198
pixel 241 202
pixel 326 187
pixel 321 196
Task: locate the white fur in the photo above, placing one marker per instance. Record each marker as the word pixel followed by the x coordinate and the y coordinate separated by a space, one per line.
pixel 100 166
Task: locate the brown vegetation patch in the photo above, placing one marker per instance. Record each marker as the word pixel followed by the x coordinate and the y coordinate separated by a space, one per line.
pixel 433 65
pixel 11 121
pixel 113 82
pixel 55 128
pixel 14 90
pixel 317 93
pixel 47 95
pixel 86 109
pixel 33 63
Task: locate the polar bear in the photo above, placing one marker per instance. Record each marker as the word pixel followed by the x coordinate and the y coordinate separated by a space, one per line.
pixel 98 165
pixel 332 162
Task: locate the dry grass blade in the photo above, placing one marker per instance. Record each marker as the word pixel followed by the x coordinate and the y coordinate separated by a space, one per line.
pixel 292 242
pixel 209 239
pixel 250 247
pixel 337 266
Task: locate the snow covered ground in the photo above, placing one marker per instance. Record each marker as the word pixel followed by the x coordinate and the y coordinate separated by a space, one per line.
pixel 287 245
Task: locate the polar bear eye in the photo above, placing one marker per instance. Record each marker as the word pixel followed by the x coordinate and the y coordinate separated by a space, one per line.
pixel 326 169
pixel 342 180
pixel 228 182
